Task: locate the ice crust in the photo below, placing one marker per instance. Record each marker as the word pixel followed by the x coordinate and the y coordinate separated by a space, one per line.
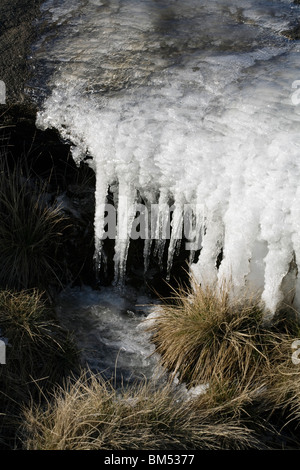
pixel 191 102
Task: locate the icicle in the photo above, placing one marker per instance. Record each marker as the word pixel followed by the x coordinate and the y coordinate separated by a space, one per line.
pixel 149 199
pixel 288 284
pixel 100 200
pixel 193 226
pixel 296 301
pixel 255 277
pixel 205 270
pixel 277 264
pixel 160 223
pixel 126 215
pixel 176 233
pixel 195 238
pixel 147 253
pixel 295 228
pixel 241 229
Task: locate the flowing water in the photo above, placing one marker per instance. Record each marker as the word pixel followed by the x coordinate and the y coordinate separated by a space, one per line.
pixel 189 103
pixel 110 331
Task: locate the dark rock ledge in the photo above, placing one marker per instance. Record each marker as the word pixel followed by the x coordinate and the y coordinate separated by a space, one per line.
pixel 47 156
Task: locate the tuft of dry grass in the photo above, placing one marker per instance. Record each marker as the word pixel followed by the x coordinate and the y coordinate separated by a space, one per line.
pixel 90 414
pixel 39 354
pixel 203 334
pixel 30 231
pixel 35 338
pixel 206 336
pixel 252 399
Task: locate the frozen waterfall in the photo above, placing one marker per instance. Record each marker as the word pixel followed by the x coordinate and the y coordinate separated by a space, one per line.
pixel 194 104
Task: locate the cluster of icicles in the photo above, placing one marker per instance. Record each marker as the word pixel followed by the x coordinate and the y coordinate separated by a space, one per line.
pixel 204 117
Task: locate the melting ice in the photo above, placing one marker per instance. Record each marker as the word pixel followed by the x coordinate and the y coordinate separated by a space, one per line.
pixel 194 102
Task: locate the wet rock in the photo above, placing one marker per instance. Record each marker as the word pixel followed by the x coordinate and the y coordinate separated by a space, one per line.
pixel 293 33
pixel 17 32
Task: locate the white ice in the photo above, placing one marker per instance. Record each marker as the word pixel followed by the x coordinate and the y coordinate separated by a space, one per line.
pixel 195 103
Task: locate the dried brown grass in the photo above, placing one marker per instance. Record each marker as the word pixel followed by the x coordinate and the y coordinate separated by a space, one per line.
pixel 39 354
pixel 206 336
pixel 90 414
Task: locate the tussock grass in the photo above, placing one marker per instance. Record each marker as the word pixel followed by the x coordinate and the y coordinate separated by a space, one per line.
pixel 90 414
pixel 30 231
pixel 252 401
pixel 36 341
pixel 38 355
pixel 282 390
pixel 206 336
pixel 202 335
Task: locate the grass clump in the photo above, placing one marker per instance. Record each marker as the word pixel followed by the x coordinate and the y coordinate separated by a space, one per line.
pixel 39 354
pixel 204 334
pixel 36 341
pixel 30 231
pixel 90 414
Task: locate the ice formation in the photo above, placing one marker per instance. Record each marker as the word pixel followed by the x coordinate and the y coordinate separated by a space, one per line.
pixel 192 103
